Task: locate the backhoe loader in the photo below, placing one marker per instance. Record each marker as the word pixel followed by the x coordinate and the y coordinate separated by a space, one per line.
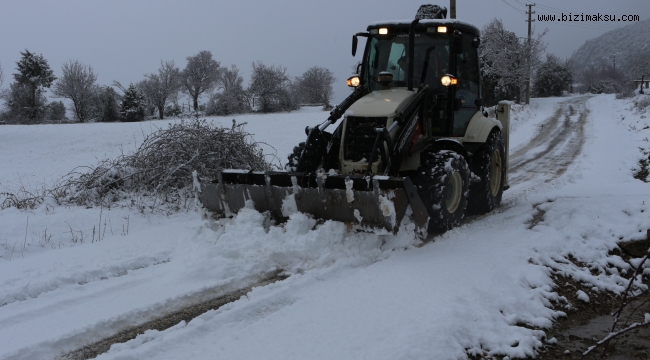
pixel 414 141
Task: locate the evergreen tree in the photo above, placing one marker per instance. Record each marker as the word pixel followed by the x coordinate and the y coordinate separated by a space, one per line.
pixel 133 105
pixel 107 104
pixel 55 111
pixel 552 77
pixel 35 73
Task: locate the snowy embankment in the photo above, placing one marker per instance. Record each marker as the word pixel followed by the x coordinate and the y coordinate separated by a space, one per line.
pixel 485 286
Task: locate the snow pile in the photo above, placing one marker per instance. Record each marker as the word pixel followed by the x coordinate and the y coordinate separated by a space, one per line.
pixel 295 247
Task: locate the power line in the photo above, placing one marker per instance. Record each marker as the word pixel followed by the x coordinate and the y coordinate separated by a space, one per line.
pixel 550 7
pixel 517 9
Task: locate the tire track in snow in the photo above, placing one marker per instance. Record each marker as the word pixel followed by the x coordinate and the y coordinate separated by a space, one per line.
pixel 553 150
pixel 167 321
pixel 547 156
pixel 34 290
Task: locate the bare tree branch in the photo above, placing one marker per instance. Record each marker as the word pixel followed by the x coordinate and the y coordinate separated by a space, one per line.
pixel 160 87
pixel 78 85
pixel 200 75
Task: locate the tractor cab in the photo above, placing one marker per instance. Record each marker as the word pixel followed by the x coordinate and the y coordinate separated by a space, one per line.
pixel 439 54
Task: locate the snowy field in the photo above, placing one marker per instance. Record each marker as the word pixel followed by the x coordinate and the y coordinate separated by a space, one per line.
pixel 71 276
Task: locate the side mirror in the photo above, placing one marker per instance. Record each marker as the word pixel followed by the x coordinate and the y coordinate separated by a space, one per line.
pixel 457 42
pixel 355 42
pixel 478 102
pixel 476 42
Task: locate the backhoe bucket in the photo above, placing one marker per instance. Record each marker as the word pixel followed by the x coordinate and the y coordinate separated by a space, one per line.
pixel 369 201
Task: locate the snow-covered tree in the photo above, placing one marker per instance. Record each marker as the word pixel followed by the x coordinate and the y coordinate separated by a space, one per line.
pixel 78 85
pixel 315 86
pixel 162 87
pixel 269 88
pixel 601 77
pixel 133 105
pixel 35 73
pixel 233 98
pixel 200 75
pixel 552 77
pixel 505 62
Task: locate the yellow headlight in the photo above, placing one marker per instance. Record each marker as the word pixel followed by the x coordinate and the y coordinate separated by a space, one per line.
pixel 442 29
pixel 354 81
pixel 448 80
pixel 383 31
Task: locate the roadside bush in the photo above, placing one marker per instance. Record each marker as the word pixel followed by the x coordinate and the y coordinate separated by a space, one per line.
pixel 55 111
pixel 625 94
pixel 172 110
pixel 643 171
pixel 642 103
pixel 604 87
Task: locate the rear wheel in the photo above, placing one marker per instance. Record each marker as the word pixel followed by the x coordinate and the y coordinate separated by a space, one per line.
pixel 489 164
pixel 442 183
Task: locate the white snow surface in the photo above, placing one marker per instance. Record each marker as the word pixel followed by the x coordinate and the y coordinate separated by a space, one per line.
pixel 70 276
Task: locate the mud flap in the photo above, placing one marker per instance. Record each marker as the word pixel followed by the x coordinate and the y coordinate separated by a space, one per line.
pixel 368 201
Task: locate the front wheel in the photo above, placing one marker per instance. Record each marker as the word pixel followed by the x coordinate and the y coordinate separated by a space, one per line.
pixel 442 183
pixel 489 164
pixel 308 156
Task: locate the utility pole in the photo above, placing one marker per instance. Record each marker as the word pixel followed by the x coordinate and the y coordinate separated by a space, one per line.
pixel 452 9
pixel 614 63
pixel 530 33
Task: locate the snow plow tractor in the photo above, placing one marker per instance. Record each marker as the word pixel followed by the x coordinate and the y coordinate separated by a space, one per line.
pixel 414 141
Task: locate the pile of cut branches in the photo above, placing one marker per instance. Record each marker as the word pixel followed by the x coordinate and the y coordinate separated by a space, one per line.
pixel 162 167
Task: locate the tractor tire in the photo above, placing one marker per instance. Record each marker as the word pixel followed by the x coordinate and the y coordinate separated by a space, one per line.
pixel 443 183
pixel 308 157
pixel 489 164
pixel 292 164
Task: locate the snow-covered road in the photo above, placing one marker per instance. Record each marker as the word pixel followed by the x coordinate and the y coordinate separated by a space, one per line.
pixel 550 153
pixel 485 286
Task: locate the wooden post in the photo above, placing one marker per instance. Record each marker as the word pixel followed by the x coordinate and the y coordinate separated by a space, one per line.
pixel 641 86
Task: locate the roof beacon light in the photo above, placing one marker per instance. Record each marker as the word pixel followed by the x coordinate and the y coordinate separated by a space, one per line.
pixel 383 31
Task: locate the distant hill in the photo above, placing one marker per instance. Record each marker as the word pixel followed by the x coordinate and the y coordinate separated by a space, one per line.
pixel 624 42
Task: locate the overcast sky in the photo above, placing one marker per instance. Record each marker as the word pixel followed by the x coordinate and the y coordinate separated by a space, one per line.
pixel 125 39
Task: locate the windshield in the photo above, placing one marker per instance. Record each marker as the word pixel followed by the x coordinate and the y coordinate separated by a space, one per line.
pixel 389 53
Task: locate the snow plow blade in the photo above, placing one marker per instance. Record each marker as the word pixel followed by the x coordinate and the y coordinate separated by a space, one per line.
pixel 369 201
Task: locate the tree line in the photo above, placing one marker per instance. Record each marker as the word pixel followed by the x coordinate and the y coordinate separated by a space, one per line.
pixel 270 89
pixel 506 60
